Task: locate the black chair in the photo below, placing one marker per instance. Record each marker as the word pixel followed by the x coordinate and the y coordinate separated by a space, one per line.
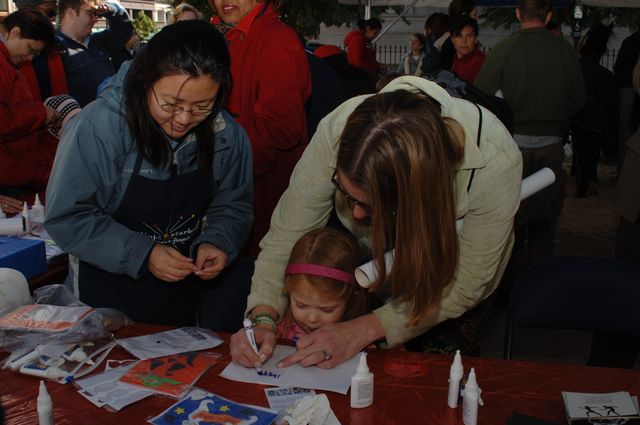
pixel 577 293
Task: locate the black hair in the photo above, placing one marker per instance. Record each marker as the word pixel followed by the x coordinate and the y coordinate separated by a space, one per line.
pixel 33 24
pixel 534 10
pixel 194 48
pixel 462 22
pixel 373 23
pixel 596 40
pixel 461 7
pixel 438 24
pixel 421 39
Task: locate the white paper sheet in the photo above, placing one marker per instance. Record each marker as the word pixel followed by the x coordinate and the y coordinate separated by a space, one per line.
pixel 337 379
pixel 104 389
pixel 170 342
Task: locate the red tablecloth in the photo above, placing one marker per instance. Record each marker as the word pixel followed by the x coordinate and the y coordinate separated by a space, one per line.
pixel 410 388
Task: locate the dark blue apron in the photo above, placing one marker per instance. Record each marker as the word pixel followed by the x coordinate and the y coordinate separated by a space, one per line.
pixel 170 212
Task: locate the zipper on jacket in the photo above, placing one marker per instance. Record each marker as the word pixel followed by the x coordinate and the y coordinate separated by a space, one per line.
pixel 174 163
pixel 174 156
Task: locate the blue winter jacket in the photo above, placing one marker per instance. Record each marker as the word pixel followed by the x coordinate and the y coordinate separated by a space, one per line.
pixel 93 166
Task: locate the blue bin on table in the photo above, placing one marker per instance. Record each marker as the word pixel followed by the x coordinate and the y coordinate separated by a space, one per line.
pixel 28 256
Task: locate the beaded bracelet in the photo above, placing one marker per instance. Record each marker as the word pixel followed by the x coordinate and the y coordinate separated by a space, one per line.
pixel 265 318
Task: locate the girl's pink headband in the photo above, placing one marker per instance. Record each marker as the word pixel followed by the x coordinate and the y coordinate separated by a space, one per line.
pixel 322 271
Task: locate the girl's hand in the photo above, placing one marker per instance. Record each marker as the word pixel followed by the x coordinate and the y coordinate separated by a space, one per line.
pixel 168 264
pixel 335 343
pixel 210 261
pixel 10 205
pixel 241 351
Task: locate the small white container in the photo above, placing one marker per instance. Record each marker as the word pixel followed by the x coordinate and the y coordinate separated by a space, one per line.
pixel 45 406
pixel 455 376
pixel 362 385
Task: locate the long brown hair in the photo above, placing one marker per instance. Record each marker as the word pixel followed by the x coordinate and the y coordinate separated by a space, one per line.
pixel 330 248
pixel 399 150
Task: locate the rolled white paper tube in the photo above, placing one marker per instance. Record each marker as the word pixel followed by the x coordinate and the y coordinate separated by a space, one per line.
pixel 367 273
pixel 11 226
pixel 536 182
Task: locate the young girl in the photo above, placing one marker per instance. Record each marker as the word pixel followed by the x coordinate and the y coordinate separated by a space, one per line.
pixel 320 283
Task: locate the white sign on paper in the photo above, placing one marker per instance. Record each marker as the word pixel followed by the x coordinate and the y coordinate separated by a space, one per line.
pixel 337 379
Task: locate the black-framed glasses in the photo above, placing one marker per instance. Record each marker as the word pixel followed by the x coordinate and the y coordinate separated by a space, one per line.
pixel 365 207
pixel 174 109
pixel 32 50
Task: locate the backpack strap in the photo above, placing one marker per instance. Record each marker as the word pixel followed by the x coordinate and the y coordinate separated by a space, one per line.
pixel 473 172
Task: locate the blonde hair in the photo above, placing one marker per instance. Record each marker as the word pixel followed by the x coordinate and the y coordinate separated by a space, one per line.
pixel 330 248
pixel 399 150
pixel 182 8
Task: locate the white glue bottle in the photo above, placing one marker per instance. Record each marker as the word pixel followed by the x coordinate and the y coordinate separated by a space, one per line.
pixel 470 400
pixel 26 220
pixel 455 376
pixel 37 211
pixel 362 385
pixel 45 406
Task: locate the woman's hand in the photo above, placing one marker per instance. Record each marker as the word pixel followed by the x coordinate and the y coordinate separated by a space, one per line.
pixel 335 343
pixel 53 117
pixel 210 261
pixel 10 205
pixel 241 351
pixel 168 264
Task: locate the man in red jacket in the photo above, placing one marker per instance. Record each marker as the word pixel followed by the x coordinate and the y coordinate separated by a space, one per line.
pixel 360 51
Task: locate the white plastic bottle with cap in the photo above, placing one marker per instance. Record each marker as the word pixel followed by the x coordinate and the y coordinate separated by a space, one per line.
pixel 26 220
pixel 37 211
pixel 455 376
pixel 470 400
pixel 45 406
pixel 362 385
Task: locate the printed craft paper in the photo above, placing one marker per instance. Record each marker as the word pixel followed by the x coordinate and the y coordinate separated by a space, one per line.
pixel 201 407
pixel 171 375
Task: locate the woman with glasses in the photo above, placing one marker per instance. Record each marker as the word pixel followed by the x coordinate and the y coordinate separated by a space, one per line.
pixel 26 147
pixel 152 184
pixel 397 170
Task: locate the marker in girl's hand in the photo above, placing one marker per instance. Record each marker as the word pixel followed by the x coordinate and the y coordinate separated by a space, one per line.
pixel 248 330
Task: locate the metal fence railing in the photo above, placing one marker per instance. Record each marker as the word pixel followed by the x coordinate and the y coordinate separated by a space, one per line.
pixel 391 55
